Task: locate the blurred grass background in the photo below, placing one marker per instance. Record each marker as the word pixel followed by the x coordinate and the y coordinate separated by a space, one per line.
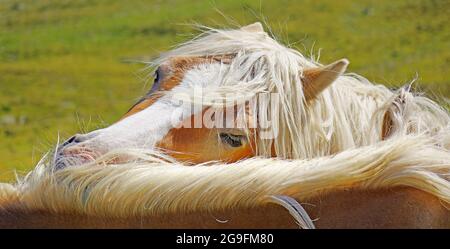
pixel 64 65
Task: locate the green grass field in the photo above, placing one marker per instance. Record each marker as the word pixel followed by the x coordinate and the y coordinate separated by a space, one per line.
pixel 65 65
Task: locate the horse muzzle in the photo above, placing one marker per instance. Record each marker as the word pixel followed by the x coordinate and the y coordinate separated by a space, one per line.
pixel 75 151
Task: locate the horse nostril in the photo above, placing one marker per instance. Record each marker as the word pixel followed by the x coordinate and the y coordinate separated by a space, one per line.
pixel 68 141
pixel 73 140
pixel 77 139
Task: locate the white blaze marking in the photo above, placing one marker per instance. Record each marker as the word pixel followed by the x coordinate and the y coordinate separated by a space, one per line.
pixel 145 128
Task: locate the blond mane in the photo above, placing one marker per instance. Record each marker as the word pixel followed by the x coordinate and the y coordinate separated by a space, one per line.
pixel 348 114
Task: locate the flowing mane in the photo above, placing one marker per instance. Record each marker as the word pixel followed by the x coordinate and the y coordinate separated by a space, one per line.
pixel 332 143
pixel 348 114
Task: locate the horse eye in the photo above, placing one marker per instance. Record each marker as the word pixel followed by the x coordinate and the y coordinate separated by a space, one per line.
pixel 230 139
pixel 156 76
pixel 156 82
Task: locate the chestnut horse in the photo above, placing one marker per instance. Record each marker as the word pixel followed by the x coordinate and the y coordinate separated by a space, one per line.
pixel 229 96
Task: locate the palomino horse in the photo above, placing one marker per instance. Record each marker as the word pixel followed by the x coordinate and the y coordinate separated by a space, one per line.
pixel 256 121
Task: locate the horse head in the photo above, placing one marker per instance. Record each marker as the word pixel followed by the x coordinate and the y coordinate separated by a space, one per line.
pixel 202 132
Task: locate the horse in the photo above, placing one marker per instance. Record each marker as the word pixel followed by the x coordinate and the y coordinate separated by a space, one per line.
pixel 236 125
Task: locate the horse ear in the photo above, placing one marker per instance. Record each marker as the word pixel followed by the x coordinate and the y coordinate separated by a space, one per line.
pixel 255 27
pixel 315 80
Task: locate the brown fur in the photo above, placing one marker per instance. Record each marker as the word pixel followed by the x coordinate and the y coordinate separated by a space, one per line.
pixel 174 71
pixel 400 207
pixel 199 145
